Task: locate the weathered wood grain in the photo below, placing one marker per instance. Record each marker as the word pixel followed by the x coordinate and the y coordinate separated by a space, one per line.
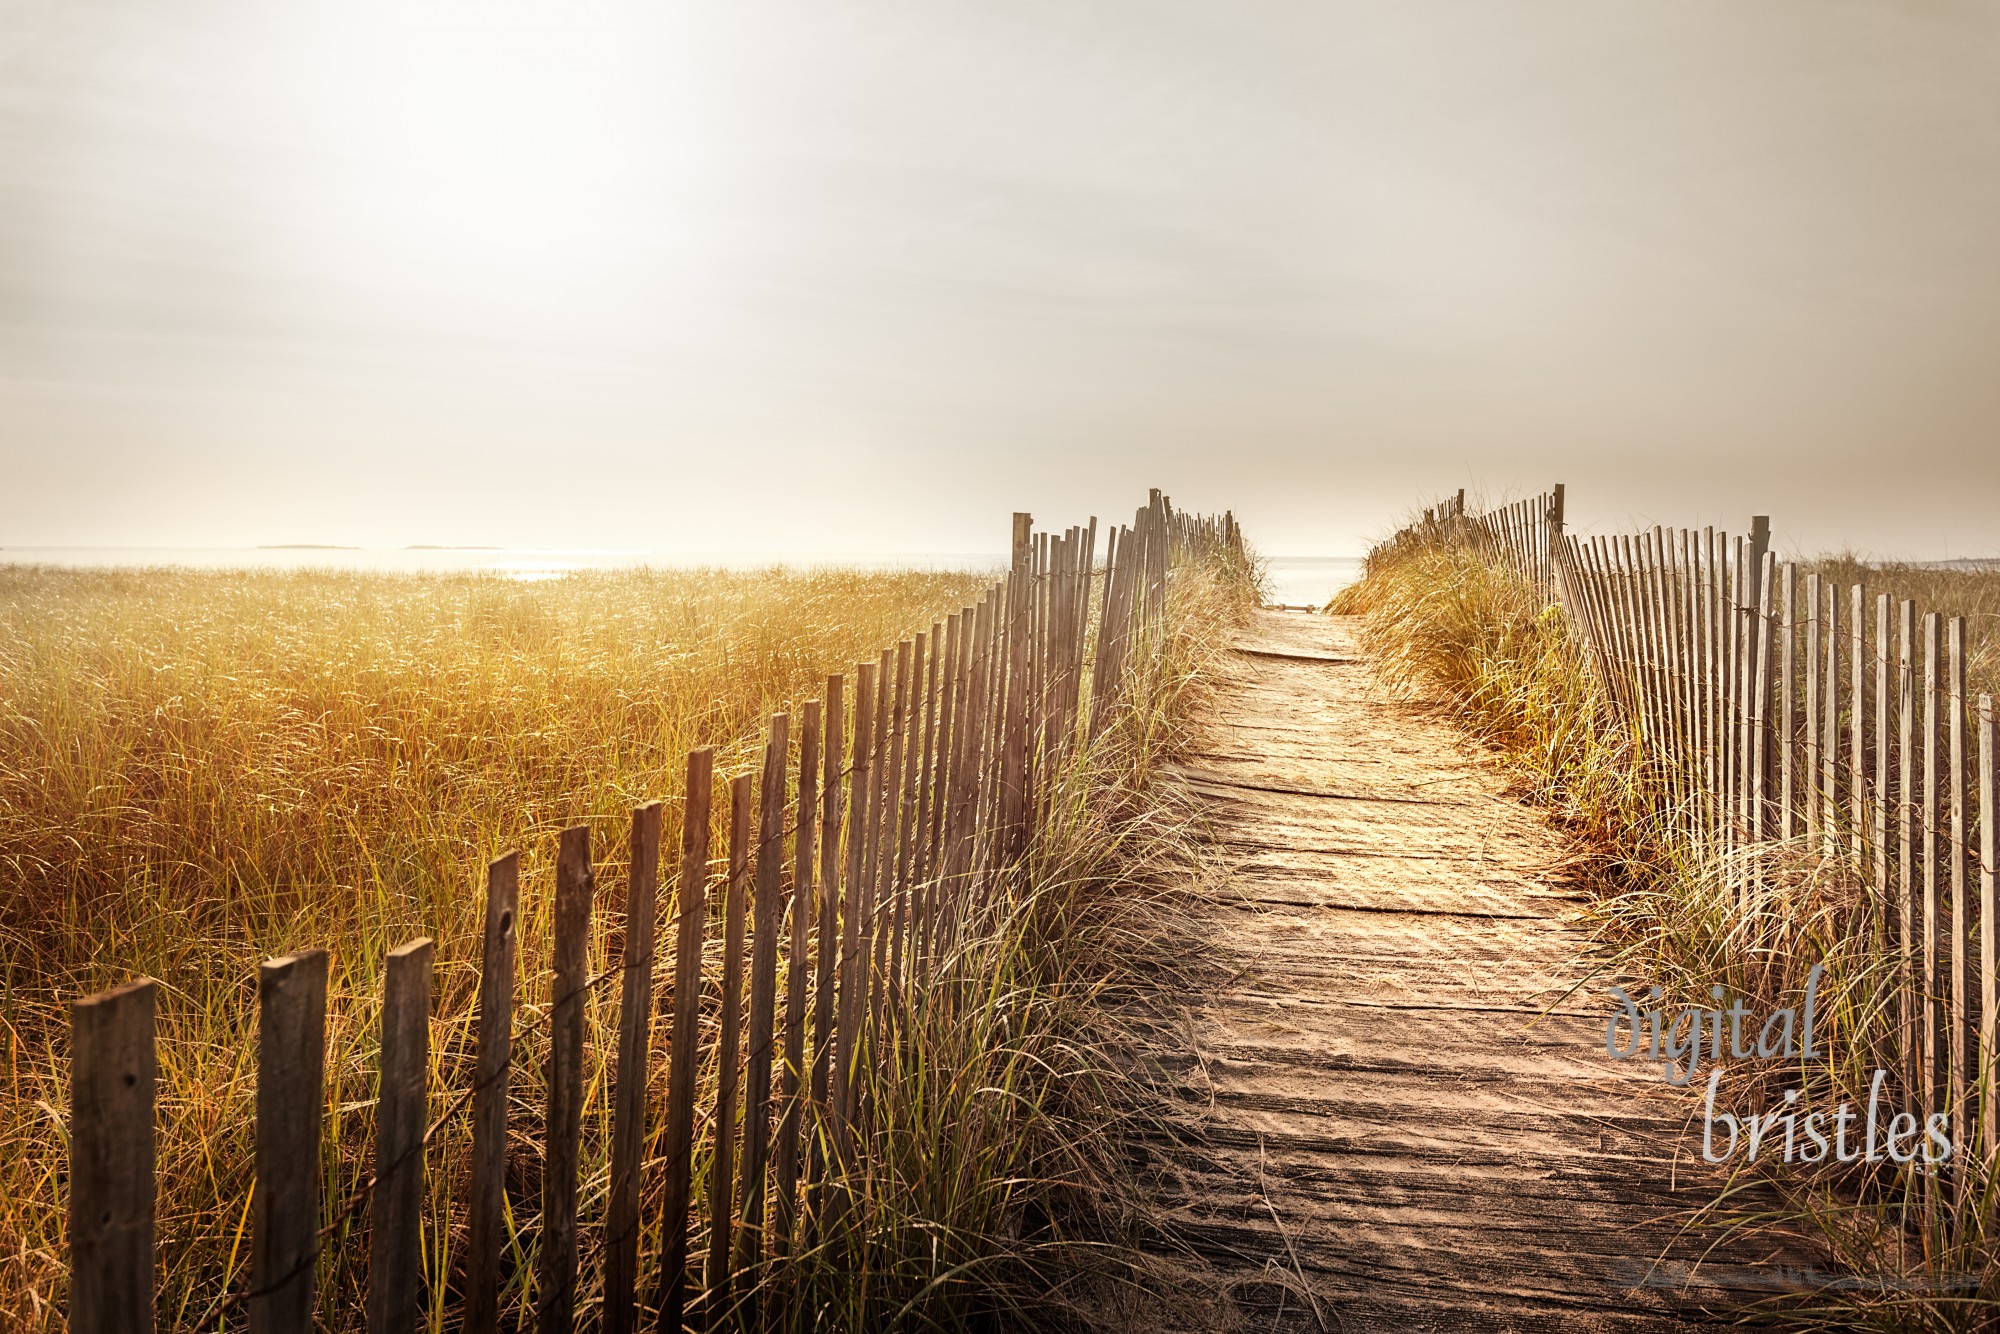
pixel 793 1090
pixel 562 1125
pixel 1760 704
pixel 761 1034
pixel 1928 827
pixel 633 1075
pixel 854 916
pixel 1788 666
pixel 1829 741
pixel 691 908
pixel 1958 836
pixel 486 1201
pixel 291 1100
pixel 895 784
pixel 1814 673
pixel 718 1278
pixel 826 960
pixel 114 1073
pixel 395 1224
pixel 1909 896
pixel 877 835
pixel 1989 926
pixel 1857 726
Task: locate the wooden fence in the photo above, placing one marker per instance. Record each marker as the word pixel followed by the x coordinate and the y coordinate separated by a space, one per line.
pixel 917 787
pixel 1775 713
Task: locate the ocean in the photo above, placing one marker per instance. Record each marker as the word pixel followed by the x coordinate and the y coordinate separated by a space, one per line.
pixel 1293 580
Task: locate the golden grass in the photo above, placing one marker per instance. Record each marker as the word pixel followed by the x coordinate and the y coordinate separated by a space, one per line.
pixel 200 769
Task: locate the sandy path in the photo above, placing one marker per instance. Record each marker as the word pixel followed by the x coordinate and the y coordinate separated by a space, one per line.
pixel 1380 1113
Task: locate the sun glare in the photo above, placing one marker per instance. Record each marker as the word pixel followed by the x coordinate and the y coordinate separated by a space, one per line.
pixel 475 143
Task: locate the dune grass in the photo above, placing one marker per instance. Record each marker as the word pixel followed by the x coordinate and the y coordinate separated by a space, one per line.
pixel 998 1195
pixel 1514 672
pixel 199 769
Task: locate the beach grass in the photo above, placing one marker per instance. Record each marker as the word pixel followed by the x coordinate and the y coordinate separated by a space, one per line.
pixel 199 769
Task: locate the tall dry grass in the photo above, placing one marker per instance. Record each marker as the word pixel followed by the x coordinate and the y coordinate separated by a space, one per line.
pixel 998 1194
pixel 1673 910
pixel 201 769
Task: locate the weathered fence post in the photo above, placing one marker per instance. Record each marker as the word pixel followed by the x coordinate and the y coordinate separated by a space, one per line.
pixel 1879 797
pixel 1989 904
pixel 628 1100
pixel 826 965
pixel 1013 812
pixel 1857 727
pixel 894 684
pixel 1760 543
pixel 854 915
pixel 871 830
pixel 1958 837
pixel 798 976
pixel 930 766
pixel 728 1050
pixel 1908 905
pixel 1829 755
pixel 113 1073
pixel 569 993
pixel 395 1224
pixel 1759 756
pixel 766 909
pixel 1552 538
pixel 487 1196
pixel 1927 819
pixel 291 1098
pixel 692 908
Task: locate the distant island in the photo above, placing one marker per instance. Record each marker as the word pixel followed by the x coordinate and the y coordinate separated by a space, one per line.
pixel 341 546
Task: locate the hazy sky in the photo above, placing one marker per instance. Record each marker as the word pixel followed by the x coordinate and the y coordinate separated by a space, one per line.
pixel 809 276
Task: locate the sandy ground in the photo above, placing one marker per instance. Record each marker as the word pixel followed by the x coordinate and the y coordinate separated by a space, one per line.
pixel 1394 1113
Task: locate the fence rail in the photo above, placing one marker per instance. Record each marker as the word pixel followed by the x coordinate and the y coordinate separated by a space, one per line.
pixel 1776 714
pixel 950 744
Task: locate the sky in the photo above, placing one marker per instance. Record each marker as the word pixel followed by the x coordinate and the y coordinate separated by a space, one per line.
pixel 788 276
